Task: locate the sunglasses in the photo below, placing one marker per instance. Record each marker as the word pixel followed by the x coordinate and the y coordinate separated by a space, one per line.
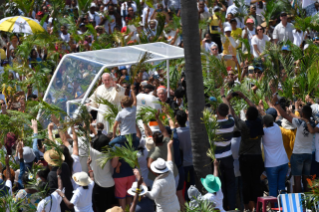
pixel 259 29
pixel 3 104
pixel 213 49
pixel 284 15
pixel 130 10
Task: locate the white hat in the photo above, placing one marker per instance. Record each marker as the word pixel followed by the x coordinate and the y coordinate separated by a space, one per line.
pixel 149 143
pixel 227 29
pixel 159 166
pixel 144 83
pixel 81 178
pixel 93 5
pixel 132 191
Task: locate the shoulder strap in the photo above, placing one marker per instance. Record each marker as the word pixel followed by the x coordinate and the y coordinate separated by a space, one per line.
pixel 51 202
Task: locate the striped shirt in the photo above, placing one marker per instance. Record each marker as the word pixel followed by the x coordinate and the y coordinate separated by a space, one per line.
pixel 225 131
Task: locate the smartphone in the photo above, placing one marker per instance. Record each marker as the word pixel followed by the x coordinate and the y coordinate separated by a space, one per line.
pixel 234 94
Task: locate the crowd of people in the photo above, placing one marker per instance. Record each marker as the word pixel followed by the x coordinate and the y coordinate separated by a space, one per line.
pixel 262 147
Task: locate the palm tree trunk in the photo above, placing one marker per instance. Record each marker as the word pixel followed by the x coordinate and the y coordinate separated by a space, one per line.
pixel 195 89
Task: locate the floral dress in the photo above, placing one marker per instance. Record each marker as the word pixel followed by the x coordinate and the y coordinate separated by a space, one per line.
pixel 27 201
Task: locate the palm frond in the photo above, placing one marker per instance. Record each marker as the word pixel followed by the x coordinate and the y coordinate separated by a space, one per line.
pixel 126 152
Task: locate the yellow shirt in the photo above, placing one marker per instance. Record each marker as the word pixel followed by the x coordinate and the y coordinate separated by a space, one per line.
pixel 213 24
pixel 288 137
pixel 236 34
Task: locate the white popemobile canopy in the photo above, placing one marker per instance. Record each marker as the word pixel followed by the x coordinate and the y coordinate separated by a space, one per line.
pixel 77 74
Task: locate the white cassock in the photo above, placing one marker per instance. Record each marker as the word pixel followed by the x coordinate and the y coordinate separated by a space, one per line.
pixel 113 94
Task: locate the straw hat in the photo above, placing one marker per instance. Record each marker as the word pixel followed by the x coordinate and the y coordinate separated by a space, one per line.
pixel 81 178
pixel 52 157
pixel 159 166
pixel 115 209
pixel 132 190
pixel 149 143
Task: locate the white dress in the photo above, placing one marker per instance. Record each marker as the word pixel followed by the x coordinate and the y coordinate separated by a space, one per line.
pixel 112 94
pixel 164 191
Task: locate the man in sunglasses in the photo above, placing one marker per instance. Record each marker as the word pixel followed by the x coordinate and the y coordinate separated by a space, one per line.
pixel 283 31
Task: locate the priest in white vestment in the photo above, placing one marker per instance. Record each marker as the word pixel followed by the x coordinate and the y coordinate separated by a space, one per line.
pixel 110 91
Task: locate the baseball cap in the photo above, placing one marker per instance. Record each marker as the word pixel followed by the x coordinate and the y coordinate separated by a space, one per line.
pixel 285 48
pixel 82 24
pixel 39 13
pixel 251 68
pixel 283 13
pixel 249 21
pixel 216 8
pixel 273 112
pixel 259 68
pixel 227 29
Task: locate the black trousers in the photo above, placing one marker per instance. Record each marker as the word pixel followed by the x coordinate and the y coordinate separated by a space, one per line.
pixel 227 176
pixel 103 198
pixel 251 167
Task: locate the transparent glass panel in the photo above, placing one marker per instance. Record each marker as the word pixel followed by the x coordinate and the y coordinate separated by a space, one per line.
pixel 72 80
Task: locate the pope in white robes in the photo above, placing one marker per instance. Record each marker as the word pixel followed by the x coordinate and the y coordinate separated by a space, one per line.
pixel 110 91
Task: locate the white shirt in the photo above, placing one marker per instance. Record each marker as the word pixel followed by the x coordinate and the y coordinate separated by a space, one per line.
pixel 65 38
pixel 82 199
pixel 142 161
pixel 298 37
pixel 76 168
pixel 124 7
pixel 283 33
pixel 149 14
pixel 55 199
pixel 107 1
pixel 303 140
pixel 261 44
pixel 164 191
pixel 250 36
pixel 235 144
pixel 232 9
pixel 102 177
pixel 94 17
pixel 216 198
pixel 275 153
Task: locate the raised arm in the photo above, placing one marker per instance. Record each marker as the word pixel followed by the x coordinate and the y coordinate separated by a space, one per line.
pixel 242 96
pixel 22 165
pixel 137 192
pixel 75 142
pixel 160 125
pixel 169 150
pixel 133 95
pixel 91 174
pixel 50 128
pixel 60 184
pixel 35 148
pixel 281 111
pixel 216 163
pixel 147 130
